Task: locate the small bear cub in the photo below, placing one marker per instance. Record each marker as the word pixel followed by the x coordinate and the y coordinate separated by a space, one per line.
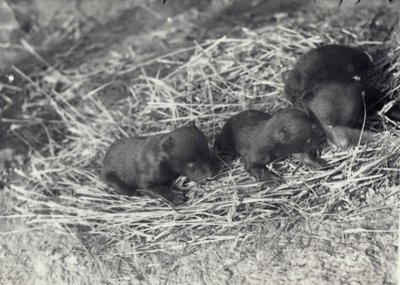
pixel 152 163
pixel 260 138
pixel 323 81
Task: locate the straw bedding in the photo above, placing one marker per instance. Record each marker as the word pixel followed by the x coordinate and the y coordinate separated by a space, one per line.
pixel 207 82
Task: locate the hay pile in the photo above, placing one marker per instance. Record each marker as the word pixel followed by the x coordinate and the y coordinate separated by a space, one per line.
pixel 219 78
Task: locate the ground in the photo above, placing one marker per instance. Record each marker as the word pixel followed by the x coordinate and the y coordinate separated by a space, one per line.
pixel 359 247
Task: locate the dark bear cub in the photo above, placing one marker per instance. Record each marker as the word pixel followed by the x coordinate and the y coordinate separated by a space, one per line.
pixel 339 107
pixel 260 138
pixel 331 82
pixel 328 81
pixel 152 163
pixel 328 63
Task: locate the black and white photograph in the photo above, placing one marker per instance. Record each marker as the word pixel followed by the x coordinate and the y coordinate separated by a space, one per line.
pixel 201 142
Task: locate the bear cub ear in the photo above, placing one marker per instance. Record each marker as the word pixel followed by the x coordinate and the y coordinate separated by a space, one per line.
pixel 293 76
pixel 167 143
pixel 192 124
pixel 281 135
pixel 307 95
pixel 286 74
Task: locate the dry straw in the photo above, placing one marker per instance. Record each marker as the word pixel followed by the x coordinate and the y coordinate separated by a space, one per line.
pixel 207 82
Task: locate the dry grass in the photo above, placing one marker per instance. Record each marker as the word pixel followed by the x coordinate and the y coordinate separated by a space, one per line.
pixel 220 78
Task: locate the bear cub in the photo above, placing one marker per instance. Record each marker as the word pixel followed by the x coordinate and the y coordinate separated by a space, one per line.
pixel 260 138
pixel 152 163
pixel 324 82
pixel 330 81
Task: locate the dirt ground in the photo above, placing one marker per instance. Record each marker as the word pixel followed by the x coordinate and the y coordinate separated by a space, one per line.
pixel 358 249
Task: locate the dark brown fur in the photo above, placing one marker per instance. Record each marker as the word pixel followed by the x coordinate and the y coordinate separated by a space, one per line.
pixel 323 82
pixel 260 138
pixel 152 163
pixel 329 63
